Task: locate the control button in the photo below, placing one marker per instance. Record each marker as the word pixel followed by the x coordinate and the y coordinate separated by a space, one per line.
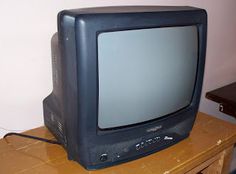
pixel 142 144
pixel 103 157
pixel 168 138
pixel 149 141
pixel 138 146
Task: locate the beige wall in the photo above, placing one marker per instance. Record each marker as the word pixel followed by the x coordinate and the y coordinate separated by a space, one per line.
pixel 25 62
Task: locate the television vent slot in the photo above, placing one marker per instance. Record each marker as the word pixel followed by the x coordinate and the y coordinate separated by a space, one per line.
pixel 59 126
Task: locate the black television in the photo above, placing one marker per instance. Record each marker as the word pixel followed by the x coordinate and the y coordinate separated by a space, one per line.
pixel 126 80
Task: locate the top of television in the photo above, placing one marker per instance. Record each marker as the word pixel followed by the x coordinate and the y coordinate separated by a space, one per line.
pixel 129 9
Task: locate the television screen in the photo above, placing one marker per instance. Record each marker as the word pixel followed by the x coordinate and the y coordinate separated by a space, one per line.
pixel 145 74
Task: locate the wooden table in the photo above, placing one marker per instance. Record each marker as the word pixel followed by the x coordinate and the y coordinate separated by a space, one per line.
pixel 208 149
pixel 226 97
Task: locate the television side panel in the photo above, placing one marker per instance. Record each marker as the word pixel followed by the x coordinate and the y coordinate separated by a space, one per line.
pixel 69 90
pixel 67 34
pixel 52 105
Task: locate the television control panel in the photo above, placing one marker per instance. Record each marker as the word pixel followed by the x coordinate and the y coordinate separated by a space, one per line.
pixel 151 141
pixel 137 147
pixel 147 142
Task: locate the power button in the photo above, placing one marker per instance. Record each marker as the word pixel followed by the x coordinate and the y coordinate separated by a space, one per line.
pixel 103 157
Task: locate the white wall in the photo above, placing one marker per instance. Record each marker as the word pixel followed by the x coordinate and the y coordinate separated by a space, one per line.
pixel 26 27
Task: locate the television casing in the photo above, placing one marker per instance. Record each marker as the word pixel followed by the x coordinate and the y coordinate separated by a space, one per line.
pixel 71 110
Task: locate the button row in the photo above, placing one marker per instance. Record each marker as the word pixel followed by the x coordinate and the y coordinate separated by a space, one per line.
pixel 147 142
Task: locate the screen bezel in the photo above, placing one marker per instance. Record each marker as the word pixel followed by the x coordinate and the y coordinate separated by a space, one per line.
pixel 87 28
pixel 158 118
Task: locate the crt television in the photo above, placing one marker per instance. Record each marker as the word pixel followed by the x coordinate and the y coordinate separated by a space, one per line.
pixel 126 80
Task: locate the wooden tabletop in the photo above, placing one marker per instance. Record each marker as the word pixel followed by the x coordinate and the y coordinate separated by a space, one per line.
pixel 208 137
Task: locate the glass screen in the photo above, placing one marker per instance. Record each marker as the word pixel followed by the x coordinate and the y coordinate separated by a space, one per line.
pixel 145 74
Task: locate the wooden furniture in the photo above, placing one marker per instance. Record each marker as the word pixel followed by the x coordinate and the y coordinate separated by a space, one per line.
pixel 226 97
pixel 207 150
